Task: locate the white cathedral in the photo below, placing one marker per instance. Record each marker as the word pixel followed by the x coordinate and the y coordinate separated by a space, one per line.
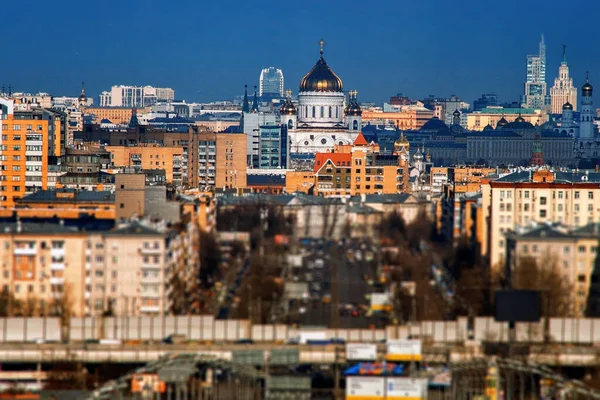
pixel 323 117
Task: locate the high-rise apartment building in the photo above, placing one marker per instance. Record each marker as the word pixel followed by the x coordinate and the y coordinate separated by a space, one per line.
pixel 27 138
pixel 135 96
pixel 271 84
pixel 535 85
pixel 563 91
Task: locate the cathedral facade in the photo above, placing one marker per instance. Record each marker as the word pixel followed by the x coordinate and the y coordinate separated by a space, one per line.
pixel 324 117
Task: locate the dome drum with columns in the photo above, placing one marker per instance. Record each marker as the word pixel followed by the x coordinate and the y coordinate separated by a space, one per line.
pixel 322 119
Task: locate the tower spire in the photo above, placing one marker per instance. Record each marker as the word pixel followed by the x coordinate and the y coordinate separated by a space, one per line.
pixel 255 101
pixel 83 87
pixel 564 60
pixel 321 47
pixel 246 105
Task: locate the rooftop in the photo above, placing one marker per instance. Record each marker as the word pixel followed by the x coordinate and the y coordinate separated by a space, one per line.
pixel 35 228
pixel 68 196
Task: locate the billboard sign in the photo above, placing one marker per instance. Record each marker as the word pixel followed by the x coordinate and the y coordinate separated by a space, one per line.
pixel 404 350
pixel 402 388
pixel 365 388
pixel 361 351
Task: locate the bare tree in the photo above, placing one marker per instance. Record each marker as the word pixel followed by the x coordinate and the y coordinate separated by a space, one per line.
pixel 545 275
pixel 62 307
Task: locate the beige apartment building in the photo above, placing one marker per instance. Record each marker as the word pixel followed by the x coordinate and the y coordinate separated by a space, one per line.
pixel 148 156
pixel 517 199
pixel 574 252
pixel 121 271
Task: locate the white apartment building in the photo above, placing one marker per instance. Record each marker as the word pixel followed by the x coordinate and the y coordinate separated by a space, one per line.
pixel 135 96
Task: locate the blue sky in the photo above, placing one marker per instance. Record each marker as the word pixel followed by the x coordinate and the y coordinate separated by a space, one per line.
pixel 207 50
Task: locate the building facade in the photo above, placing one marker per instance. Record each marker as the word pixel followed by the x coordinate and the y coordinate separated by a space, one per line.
pixel 535 84
pixel 573 251
pixel 146 156
pixel 563 91
pixel 320 121
pixel 135 96
pixel 271 84
pixel 517 199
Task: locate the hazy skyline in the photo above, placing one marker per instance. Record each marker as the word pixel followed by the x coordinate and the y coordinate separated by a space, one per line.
pixel 208 50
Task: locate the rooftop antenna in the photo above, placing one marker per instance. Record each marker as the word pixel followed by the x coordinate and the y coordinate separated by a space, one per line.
pixel 9 90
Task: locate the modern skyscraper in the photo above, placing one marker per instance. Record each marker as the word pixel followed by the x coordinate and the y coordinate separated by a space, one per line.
pixel 563 91
pixel 271 84
pixel 535 85
pixel 586 117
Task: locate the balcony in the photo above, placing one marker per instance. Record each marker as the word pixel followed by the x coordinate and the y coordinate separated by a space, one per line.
pixel 57 281
pixel 54 252
pixel 25 251
pixel 149 309
pixel 150 250
pixel 57 266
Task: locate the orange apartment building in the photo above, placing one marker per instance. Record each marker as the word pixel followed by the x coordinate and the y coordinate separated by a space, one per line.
pixel 148 156
pixel 23 151
pixel 64 204
pixel 361 169
pixel 299 181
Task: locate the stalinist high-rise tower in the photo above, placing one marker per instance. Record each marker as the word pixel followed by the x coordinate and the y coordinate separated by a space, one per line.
pixel 563 90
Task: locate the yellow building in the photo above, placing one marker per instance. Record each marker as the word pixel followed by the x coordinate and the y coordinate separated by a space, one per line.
pixel 147 156
pixel 573 251
pixel 499 116
pixel 116 115
pixel 410 117
pixel 361 169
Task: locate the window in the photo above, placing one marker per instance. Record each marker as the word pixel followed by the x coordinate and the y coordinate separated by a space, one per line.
pixel 590 207
pixel 502 206
pixel 576 207
pixel 560 207
pixel 581 249
pixel 527 194
pixel 114 274
pixel 543 201
pixel 508 207
pixel 566 249
pixel 526 207
pixel 576 195
pixel 590 195
pixel 542 213
pixel 99 273
pixel 534 248
pixel 99 259
pixel 560 194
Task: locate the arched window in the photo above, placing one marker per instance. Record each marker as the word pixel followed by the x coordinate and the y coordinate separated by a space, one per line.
pixel 306 112
pixel 314 112
pixel 290 124
pixel 355 125
pixel 322 112
pixel 337 110
pixel 330 112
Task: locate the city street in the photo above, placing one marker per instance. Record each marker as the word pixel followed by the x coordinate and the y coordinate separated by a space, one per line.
pixel 338 275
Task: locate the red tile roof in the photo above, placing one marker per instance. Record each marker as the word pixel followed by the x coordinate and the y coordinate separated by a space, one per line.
pixel 360 140
pixel 338 159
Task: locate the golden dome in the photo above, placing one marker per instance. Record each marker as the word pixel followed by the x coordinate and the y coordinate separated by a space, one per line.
pixel 401 142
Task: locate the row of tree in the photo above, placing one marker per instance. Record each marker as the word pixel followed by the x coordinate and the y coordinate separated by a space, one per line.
pixel 471 285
